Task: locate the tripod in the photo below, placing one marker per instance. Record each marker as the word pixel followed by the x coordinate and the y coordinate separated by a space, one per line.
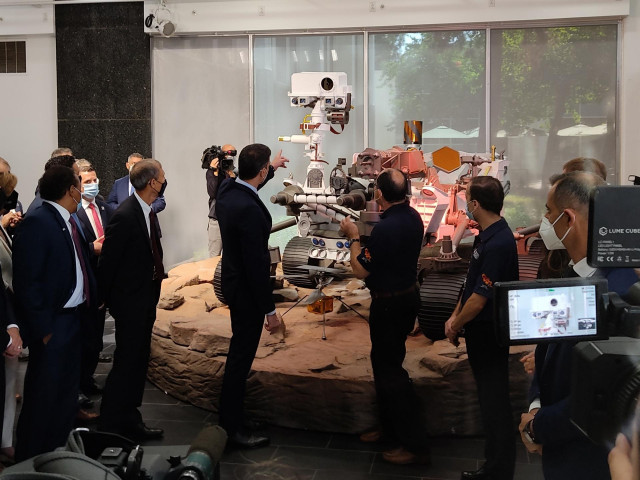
pixel 322 277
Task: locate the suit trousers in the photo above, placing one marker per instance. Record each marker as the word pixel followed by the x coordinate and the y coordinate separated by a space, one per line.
pixel 490 366
pixel 390 321
pixel 246 326
pixel 124 388
pixel 50 389
pixel 215 240
pixel 92 333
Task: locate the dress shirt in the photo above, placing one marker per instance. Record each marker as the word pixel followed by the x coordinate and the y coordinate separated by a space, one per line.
pixel 87 209
pixel 78 292
pixel 146 210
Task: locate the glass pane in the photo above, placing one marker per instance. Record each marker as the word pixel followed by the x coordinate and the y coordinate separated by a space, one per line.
pixel 200 98
pixel 553 98
pixel 275 59
pixel 436 77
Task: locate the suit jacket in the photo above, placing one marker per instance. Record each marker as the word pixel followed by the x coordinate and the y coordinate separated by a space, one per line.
pixel 105 215
pixel 245 226
pixel 567 453
pixel 125 267
pixel 44 270
pixel 120 192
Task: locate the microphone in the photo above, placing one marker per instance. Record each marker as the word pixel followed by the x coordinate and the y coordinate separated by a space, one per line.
pixel 203 457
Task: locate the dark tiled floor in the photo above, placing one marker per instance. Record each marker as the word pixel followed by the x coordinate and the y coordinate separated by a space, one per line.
pixel 303 455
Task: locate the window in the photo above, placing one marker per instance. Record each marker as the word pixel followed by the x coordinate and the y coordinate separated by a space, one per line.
pixel 13 57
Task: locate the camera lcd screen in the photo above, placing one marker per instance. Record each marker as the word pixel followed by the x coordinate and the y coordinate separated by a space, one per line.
pixel 550 310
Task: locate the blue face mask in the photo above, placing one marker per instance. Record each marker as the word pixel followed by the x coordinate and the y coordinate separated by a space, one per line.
pixel 91 190
pixel 470 213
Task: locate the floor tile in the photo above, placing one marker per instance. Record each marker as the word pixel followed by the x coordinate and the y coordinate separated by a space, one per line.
pixel 297 438
pixel 267 470
pixel 174 412
pixel 322 458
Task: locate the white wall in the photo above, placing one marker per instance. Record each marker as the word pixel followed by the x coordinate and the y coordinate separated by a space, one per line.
pixel 28 114
pixel 629 127
pixel 261 15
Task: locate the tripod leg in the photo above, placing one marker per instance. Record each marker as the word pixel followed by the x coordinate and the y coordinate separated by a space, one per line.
pixel 294 305
pixel 324 321
pixel 352 309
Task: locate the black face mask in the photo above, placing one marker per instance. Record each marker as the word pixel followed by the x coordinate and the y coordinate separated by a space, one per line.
pixel 163 188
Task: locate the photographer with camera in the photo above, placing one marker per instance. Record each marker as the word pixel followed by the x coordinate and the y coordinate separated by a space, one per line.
pixel 547 428
pixel 219 162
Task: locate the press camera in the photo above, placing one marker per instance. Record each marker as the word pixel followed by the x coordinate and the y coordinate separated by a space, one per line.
pixel 215 151
pixel 604 327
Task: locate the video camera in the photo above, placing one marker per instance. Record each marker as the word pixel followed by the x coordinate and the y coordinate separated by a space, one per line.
pixel 215 151
pixel 605 384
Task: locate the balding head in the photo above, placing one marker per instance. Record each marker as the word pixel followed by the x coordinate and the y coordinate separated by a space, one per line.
pixel 392 185
pixel 573 190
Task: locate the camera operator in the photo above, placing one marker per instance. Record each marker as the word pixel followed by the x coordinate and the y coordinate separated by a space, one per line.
pixel 220 167
pixel 546 428
pixel 219 163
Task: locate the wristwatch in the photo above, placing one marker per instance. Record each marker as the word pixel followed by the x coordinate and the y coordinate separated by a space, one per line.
pixel 529 432
pixel 354 240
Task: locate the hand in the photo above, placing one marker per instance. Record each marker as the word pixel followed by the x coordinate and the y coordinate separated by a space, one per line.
pixel 451 331
pixel 272 322
pixel 11 219
pixel 529 362
pixel 46 339
pixel 279 161
pixel 15 344
pixel 349 228
pixel 97 245
pixel 531 447
pixel 214 165
pixel 620 459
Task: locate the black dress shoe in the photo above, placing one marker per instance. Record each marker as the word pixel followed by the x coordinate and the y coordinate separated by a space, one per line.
pixel 480 474
pixel 247 440
pixel 84 401
pixel 142 432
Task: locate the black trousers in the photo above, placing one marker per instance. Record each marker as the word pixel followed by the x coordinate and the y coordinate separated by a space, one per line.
pixel 124 388
pixel 490 365
pixel 92 333
pixel 50 389
pixel 390 321
pixel 246 326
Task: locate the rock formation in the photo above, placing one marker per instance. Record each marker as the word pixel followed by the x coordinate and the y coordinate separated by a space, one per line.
pixel 299 380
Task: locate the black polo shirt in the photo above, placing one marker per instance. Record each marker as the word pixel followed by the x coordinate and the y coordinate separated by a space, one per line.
pixel 494 259
pixel 391 253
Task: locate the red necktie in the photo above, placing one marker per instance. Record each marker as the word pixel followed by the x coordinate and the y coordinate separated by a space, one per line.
pixel 83 267
pixel 96 219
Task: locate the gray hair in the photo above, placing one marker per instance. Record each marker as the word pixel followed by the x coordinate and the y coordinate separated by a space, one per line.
pixel 84 165
pixel 574 189
pixel 135 155
pixel 143 171
pixel 58 152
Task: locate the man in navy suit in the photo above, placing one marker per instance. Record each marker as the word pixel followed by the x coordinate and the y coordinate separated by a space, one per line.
pixel 566 451
pixel 245 226
pixel 123 189
pixel 53 284
pixel 94 215
pixel 130 272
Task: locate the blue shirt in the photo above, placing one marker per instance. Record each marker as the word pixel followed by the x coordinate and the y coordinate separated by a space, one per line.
pixel 391 253
pixel 494 259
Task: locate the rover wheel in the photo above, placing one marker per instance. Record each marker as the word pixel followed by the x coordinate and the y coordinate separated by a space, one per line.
pixel 438 297
pixel 295 255
pixel 217 282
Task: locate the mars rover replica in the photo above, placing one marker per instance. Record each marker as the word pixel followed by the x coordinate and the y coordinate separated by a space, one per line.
pixel 320 201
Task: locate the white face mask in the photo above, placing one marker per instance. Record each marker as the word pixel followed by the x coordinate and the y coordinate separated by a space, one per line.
pixel 548 234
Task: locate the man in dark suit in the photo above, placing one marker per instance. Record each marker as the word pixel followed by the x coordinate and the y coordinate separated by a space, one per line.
pixel 566 451
pixel 130 272
pixel 94 215
pixel 245 225
pixel 52 283
pixel 123 188
pixel 64 159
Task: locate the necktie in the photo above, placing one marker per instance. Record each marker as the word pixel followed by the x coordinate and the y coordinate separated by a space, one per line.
pixel 156 248
pixel 96 219
pixel 83 267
